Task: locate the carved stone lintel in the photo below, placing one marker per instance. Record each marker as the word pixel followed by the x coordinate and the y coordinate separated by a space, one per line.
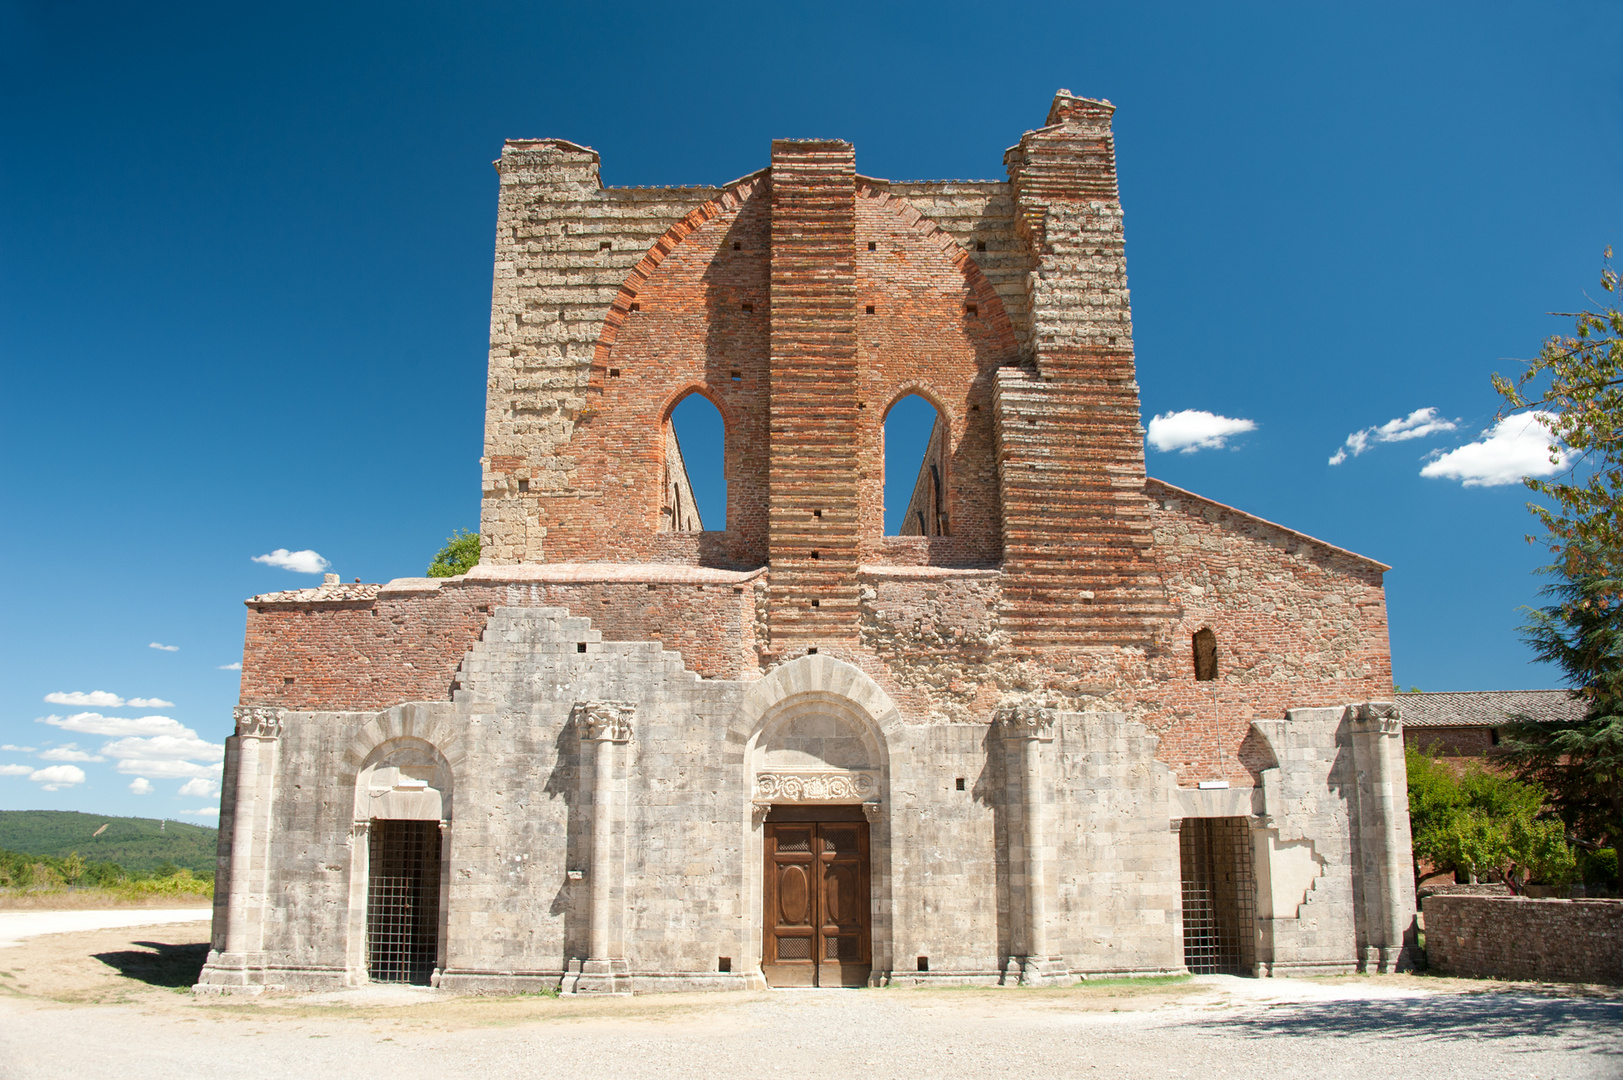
pixel 759 811
pixel 258 721
pixel 814 785
pixel 608 721
pixel 1384 713
pixel 1024 721
pixel 870 810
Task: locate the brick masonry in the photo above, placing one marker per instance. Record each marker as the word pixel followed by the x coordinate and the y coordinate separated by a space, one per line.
pixel 803 301
pixel 1520 938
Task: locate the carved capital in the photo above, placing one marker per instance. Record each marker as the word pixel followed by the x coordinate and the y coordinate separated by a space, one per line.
pixel 258 721
pixel 814 785
pixel 870 810
pixel 1024 721
pixel 1383 713
pixel 608 721
pixel 758 812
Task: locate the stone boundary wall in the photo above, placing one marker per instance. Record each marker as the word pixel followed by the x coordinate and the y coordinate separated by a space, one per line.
pixel 1521 938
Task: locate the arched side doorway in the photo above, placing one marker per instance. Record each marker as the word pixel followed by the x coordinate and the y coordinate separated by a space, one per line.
pixel 400 852
pixel 817 851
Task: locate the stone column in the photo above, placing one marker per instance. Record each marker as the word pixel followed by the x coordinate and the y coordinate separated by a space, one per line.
pixel 1025 730
pixel 1383 857
pixel 605 726
pixel 237 959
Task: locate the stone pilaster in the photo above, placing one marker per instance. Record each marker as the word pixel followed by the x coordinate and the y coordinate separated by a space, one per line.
pixel 605 726
pixel 1026 730
pixel 1381 857
pixel 237 957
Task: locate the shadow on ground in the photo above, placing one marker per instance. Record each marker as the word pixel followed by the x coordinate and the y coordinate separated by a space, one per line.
pixel 171 966
pixel 1587 1024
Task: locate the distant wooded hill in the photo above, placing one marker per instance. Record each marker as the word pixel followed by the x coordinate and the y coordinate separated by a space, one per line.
pixel 139 845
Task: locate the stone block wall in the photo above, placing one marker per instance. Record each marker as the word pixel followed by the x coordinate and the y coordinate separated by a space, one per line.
pixel 1514 937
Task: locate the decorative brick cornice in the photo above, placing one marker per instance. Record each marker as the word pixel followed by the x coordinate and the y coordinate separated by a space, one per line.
pixel 1024 721
pixel 258 721
pixel 608 721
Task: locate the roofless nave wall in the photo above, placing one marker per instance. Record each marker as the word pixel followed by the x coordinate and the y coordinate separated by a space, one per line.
pixel 972 755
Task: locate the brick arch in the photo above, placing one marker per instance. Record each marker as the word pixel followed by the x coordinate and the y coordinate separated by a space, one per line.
pixel 687 389
pixel 732 197
pixel 986 297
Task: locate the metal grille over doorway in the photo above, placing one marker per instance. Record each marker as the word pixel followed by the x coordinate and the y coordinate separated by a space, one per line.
pixel 1219 896
pixel 403 901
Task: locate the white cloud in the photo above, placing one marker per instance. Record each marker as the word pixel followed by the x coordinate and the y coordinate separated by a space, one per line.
pixel 165 748
pixel 1417 425
pixel 207 811
pixel 200 788
pixel 165 648
pixel 149 703
pixel 68 752
pixel 16 770
pixel 18 749
pixel 167 770
pixel 1195 429
pixel 1515 447
pixel 96 699
pixel 300 562
pixel 89 723
pixel 230 667
pixel 141 786
pixel 56 777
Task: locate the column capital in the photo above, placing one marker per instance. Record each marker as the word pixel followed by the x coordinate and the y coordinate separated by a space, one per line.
pixel 1383 716
pixel 605 721
pixel 1024 722
pixel 258 721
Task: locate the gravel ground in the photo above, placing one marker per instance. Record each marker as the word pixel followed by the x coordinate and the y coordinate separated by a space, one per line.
pixel 18 925
pixel 99 1004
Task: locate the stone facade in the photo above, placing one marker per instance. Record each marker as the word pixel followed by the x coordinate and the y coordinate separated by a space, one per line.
pixel 607 719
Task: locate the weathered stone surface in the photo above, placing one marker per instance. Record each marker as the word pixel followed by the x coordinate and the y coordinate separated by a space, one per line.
pixel 602 715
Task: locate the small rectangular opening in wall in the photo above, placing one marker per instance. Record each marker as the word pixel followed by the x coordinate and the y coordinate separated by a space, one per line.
pixel 817 603
pixel 738 245
pixel 614 373
pixel 287 680
pixel 605 601
pixel 580 646
pixel 635 306
pixel 812 651
pixel 980 245
pixel 524 485
pixel 814 555
pixel 749 307
pixel 873 245
pixel 738 376
pixel 969 309
pixel 924 963
pixel 652 587
pixel 724 963
pixel 817 513
pixel 604 245
pixel 868 309
pixel 959 783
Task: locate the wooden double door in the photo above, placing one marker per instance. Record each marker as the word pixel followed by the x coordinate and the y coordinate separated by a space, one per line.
pixel 818 905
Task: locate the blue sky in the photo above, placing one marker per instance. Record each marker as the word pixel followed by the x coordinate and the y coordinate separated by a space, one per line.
pixel 245 258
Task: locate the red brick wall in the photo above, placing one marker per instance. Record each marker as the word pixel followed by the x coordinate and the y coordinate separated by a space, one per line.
pixel 1298 623
pixel 370 654
pixel 1522 938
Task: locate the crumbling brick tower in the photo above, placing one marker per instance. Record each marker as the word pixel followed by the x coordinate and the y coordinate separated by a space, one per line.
pixel 1081 722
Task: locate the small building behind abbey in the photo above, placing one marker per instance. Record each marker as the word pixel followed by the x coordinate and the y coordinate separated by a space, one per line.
pixel 1072 722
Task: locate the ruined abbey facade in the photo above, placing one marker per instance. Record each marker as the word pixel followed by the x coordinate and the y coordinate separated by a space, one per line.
pixel 1074 722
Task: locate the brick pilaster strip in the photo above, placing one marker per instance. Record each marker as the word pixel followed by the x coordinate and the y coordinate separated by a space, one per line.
pixel 813 500
pixel 1077 563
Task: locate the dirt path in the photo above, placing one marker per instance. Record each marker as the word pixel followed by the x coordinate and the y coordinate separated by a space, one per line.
pixel 114 1003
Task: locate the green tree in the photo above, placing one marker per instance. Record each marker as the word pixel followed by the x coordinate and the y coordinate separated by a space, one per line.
pixel 459 555
pixel 73 868
pixel 1580 762
pixel 1480 822
pixel 1575 385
